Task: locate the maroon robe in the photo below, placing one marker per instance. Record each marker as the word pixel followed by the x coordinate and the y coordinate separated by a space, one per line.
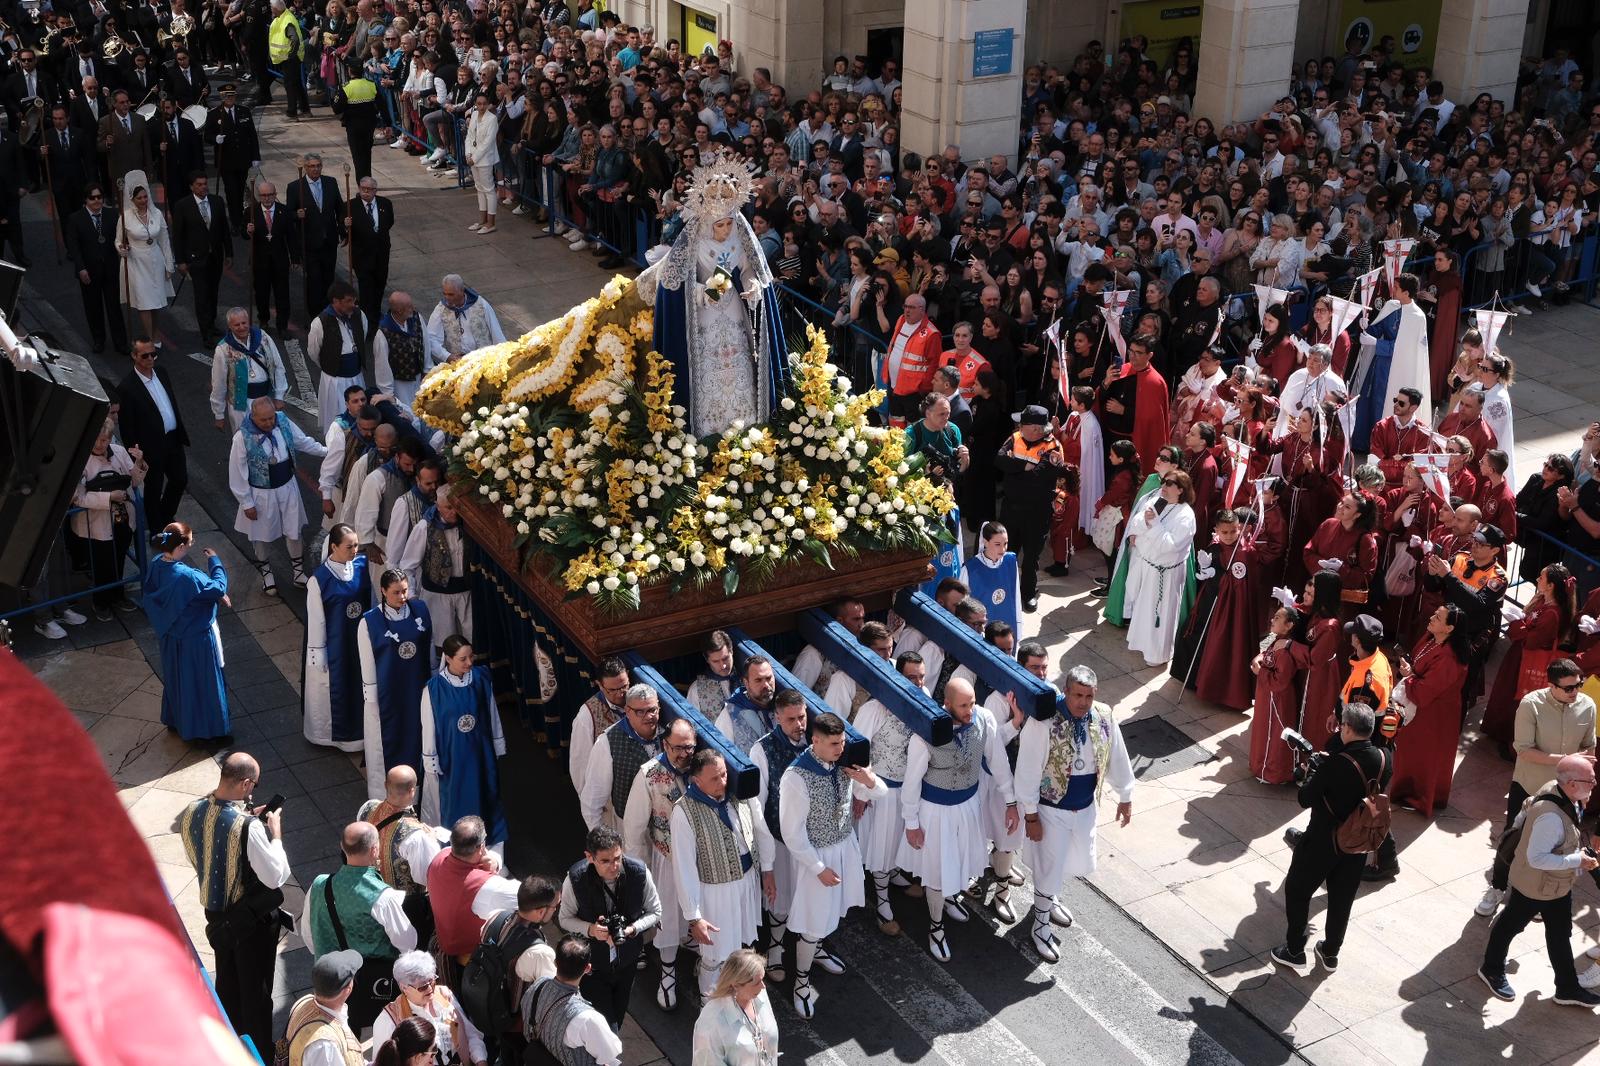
pixel 1325 677
pixel 1400 612
pixel 1280 360
pixel 1588 657
pixel 1340 344
pixel 1276 708
pixel 1478 431
pixel 1310 495
pixel 1425 753
pixel 1499 506
pixel 1223 672
pixel 1202 470
pixel 1150 412
pixel 1536 632
pixel 1392 448
pixel 1356 548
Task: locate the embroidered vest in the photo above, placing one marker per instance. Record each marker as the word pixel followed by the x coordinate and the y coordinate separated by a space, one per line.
pixel 890 743
pixel 780 753
pixel 262 470
pixel 439 561
pixel 555 1006
pixel 213 835
pixel 717 851
pixel 242 390
pixel 444 1010
pixel 392 864
pixel 627 755
pixel 1060 764
pixel 356 448
pixel 954 768
pixel 750 721
pixel 664 786
pixel 601 714
pixel 395 485
pixel 477 324
pixel 308 1024
pixel 332 359
pixel 355 890
pixel 827 802
pixel 405 353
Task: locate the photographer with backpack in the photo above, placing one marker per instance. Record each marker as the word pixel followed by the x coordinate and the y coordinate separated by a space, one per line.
pixel 511 956
pixel 1349 819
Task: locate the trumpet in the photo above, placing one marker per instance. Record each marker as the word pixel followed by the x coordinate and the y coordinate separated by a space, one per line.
pixel 112 47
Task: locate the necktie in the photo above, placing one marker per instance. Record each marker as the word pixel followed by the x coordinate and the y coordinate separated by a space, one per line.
pixel 174 129
pixel 64 139
pixel 372 209
pixel 316 192
pixel 230 114
pixel 127 124
pixel 205 210
pixel 97 232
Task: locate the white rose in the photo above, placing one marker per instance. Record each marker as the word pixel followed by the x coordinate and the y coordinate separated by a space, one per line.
pixel 698 558
pixel 611 583
pixel 677 564
pixel 522 527
pixel 592 588
pixel 788 403
pixel 600 521
pixel 508 510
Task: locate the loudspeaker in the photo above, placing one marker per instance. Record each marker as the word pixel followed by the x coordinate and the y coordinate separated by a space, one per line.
pixel 50 414
pixel 11 276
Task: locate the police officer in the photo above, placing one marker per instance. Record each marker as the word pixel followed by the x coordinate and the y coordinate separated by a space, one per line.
pixel 356 104
pixel 237 852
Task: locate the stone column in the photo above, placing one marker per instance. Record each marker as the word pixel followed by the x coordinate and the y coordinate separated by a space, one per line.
pixel 1479 48
pixel 943 102
pixel 1246 57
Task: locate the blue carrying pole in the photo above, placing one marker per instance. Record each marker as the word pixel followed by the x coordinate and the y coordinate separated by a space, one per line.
pixel 743 779
pixel 998 670
pixel 885 684
pixel 857 749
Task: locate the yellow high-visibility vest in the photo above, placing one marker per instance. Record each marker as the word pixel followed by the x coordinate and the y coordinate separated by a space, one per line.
pixel 278 38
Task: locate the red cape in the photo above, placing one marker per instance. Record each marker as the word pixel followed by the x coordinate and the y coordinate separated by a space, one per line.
pixel 1425 759
pixel 1151 416
pixel 1223 673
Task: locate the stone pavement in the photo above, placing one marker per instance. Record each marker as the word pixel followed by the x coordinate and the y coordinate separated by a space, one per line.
pixel 1201 866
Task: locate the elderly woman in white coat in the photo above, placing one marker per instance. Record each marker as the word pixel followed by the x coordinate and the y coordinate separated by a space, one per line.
pixel 1160 536
pixel 104 524
pixel 482 150
pixel 736 1026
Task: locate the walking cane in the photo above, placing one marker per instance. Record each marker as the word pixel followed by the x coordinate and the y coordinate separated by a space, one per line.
pixel 122 221
pixel 250 272
pixel 349 245
pixel 300 223
pixel 55 212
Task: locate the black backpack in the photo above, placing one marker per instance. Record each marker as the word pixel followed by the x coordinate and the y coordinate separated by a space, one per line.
pixel 483 982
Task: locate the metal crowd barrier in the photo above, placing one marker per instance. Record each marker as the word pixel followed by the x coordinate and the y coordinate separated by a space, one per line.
pixel 138 551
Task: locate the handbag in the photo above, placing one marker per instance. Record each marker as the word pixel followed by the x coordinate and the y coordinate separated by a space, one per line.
pixel 108 481
pixel 1401 577
pixel 1103 530
pixel 375 986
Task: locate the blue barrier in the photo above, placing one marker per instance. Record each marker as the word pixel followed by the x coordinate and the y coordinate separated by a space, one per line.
pixel 857 749
pixel 998 670
pixel 886 685
pixel 139 552
pixel 743 778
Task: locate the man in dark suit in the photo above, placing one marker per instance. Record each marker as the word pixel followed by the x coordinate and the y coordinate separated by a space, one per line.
pixel 88 107
pixel 150 421
pixel 847 145
pixel 124 139
pixel 232 131
pixel 274 241
pixel 91 234
pixel 138 77
pixel 202 245
pixel 371 218
pixel 186 82
pixel 27 84
pixel 1335 787
pixel 318 211
pixel 67 159
pixel 175 145
pixel 13 187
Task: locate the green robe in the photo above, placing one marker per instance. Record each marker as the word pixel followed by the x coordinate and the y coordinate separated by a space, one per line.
pixel 1113 612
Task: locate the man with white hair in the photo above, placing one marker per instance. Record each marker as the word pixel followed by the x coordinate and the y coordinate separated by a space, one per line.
pixel 647 837
pixel 1309 386
pixel 633 740
pixel 423 995
pixel 462 321
pixel 245 366
pixel 1063 763
pixel 261 475
pixel 403 351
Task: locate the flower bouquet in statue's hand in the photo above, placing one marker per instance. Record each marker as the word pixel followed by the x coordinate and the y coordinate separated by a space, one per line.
pixel 718 284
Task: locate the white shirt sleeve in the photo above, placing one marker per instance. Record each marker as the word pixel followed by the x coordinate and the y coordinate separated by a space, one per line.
pixel 430 754
pixel 239 474
pixel 382 1029
pixel 305 442
pixel 999 765
pixel 314 335
pixel 808 666
pixel 592 1032
pixel 322 1053
pixel 724 724
pixel 389 911
pixel 333 462
pixel 1032 750
pixel 436 328
pixel 841 690
pixel 684 865
pixel 636 821
pixel 381 372
pixel 535 964
pixel 794 804
pixel 366 512
pixel 765 852
pixel 304 926
pixel 580 739
pixel 316 627
pixel 497 731
pixel 496 334
pixel 275 368
pixel 219 382
pixel 369 674
pixel 597 783
pixel 497 894
pixel 418 850
pixel 410 557
pixel 917 757
pixel 399 535
pixel 267 858
pixel 1119 773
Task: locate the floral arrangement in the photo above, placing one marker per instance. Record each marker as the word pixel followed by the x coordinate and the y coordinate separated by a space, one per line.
pixel 718 284
pixel 608 483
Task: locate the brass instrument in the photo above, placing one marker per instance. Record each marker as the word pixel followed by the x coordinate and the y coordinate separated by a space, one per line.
pixel 112 47
pixel 32 119
pixel 178 30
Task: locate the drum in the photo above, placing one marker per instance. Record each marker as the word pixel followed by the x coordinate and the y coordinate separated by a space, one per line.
pixel 146 111
pixel 196 113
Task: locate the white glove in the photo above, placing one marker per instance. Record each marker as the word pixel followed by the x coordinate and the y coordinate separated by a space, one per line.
pixel 1283 595
pixel 1409 517
pixel 1202 560
pixel 1512 612
pixel 1205 575
pixel 1402 699
pixel 1331 565
pixel 1588 626
pixel 1230 413
pixel 1416 541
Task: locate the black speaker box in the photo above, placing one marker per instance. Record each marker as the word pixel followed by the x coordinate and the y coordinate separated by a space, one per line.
pixel 50 415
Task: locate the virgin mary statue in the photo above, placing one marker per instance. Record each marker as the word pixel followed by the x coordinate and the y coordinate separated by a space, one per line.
pixel 716 308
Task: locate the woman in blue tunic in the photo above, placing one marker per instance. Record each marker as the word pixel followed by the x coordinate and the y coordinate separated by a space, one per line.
pixel 394 641
pixel 992 575
pixel 461 739
pixel 181 603
pixel 337 596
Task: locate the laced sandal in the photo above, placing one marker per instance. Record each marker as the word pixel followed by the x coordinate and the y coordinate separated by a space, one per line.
pixel 776 972
pixel 667 990
pixel 298 573
pixel 938 943
pixel 1059 915
pixel 829 961
pixel 1001 905
pixel 956 911
pixel 805 998
pixel 886 921
pixel 269 584
pixel 1044 942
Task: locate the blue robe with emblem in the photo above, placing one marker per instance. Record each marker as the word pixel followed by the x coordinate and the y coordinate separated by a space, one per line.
pixel 181 604
pixel 464 745
pixel 343 605
pixel 948 562
pixel 997 586
pixel 401 677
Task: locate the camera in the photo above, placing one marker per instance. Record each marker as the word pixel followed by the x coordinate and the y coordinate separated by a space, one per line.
pixel 615 925
pixel 1308 760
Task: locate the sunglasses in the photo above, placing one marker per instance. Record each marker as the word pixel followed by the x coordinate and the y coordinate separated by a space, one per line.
pixel 1168 484
pixel 1573 688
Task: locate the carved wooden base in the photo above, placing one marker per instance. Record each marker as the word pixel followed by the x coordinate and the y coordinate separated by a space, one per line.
pixel 671 624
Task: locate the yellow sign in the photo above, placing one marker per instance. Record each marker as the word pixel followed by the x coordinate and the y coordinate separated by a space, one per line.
pixel 1414 25
pixel 1163 23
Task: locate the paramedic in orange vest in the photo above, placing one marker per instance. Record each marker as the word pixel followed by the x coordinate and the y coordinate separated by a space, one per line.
pixel 914 351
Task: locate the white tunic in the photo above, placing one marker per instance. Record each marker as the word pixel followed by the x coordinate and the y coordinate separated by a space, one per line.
pixel 782 868
pixel 330 389
pixel 316 699
pixel 225 358
pixel 471 337
pixel 637 844
pixel 955 849
pixel 279 512
pixel 995 797
pixel 382 373
pixel 1153 599
pixel 1091 468
pixel 817 909
pixel 880 829
pixel 148 265
pixel 734 908
pixel 581 739
pixel 1408 364
pixel 1303 393
pixel 1067 844
pixel 594 800
pixel 365 516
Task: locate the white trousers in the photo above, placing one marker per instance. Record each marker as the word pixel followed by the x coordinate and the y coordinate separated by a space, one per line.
pixel 1067 849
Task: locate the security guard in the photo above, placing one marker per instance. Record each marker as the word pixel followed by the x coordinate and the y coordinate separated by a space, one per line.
pixel 286 47
pixel 1030 462
pixel 356 104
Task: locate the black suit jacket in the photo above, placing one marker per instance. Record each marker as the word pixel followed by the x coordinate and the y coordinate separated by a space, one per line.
pixel 239 147
pixel 187 92
pixel 87 122
pixel 139 82
pixel 72 167
pixel 184 156
pixel 16 90
pixel 323 227
pixel 369 247
pixel 193 242
pixel 140 420
pixel 284 245
pixel 86 251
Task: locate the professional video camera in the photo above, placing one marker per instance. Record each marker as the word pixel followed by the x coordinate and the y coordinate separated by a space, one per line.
pixel 1307 759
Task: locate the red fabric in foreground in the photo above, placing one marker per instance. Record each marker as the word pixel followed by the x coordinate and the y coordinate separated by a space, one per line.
pixel 121 983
